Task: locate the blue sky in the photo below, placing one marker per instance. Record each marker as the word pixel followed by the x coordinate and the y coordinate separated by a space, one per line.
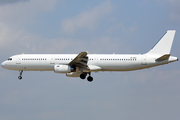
pixel 97 26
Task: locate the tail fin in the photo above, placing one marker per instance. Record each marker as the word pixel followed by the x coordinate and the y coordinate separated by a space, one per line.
pixel 164 45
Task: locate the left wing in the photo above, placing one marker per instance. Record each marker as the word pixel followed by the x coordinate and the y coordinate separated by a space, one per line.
pixel 80 60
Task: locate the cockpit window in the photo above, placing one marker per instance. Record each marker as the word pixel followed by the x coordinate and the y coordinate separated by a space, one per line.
pixel 9 59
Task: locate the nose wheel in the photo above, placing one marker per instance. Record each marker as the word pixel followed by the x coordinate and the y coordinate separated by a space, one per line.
pixel 20 77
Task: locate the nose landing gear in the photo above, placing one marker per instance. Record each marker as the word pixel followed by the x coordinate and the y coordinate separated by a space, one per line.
pixel 20 77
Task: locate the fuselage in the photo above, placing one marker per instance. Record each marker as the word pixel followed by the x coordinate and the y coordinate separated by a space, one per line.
pixel 96 62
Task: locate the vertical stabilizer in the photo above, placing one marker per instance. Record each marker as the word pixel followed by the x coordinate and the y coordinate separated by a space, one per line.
pixel 164 44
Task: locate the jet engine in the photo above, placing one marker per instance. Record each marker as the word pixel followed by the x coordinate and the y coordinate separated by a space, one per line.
pixel 63 69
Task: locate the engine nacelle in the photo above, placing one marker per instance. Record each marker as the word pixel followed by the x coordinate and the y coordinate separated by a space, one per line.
pixel 73 74
pixel 63 69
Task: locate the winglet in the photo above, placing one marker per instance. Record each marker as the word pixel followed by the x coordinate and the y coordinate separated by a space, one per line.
pixel 163 47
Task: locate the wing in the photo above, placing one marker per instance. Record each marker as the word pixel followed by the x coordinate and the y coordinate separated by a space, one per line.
pixel 80 60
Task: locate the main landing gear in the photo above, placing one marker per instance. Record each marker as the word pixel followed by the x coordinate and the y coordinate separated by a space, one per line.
pixel 89 78
pixel 20 77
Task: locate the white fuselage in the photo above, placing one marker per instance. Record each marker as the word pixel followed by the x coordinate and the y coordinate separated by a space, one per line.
pixel 96 62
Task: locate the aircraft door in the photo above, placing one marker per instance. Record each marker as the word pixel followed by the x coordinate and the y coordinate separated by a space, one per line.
pixel 18 60
pixel 143 60
pixel 95 59
pixel 52 60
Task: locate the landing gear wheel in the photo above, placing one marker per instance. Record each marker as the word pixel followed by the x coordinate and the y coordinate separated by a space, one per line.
pixel 90 79
pixel 19 77
pixel 82 76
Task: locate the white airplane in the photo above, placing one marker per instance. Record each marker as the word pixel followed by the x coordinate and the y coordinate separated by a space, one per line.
pixel 80 65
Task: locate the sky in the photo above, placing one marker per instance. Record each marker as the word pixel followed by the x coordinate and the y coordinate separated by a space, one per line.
pixel 96 26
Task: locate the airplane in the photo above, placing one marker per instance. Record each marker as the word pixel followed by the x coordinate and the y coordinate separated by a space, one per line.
pixel 82 64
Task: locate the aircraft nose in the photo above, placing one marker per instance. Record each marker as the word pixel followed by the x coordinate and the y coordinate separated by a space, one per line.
pixel 3 64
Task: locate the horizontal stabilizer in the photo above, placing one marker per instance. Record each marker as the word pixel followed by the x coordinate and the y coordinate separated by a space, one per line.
pixel 164 57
